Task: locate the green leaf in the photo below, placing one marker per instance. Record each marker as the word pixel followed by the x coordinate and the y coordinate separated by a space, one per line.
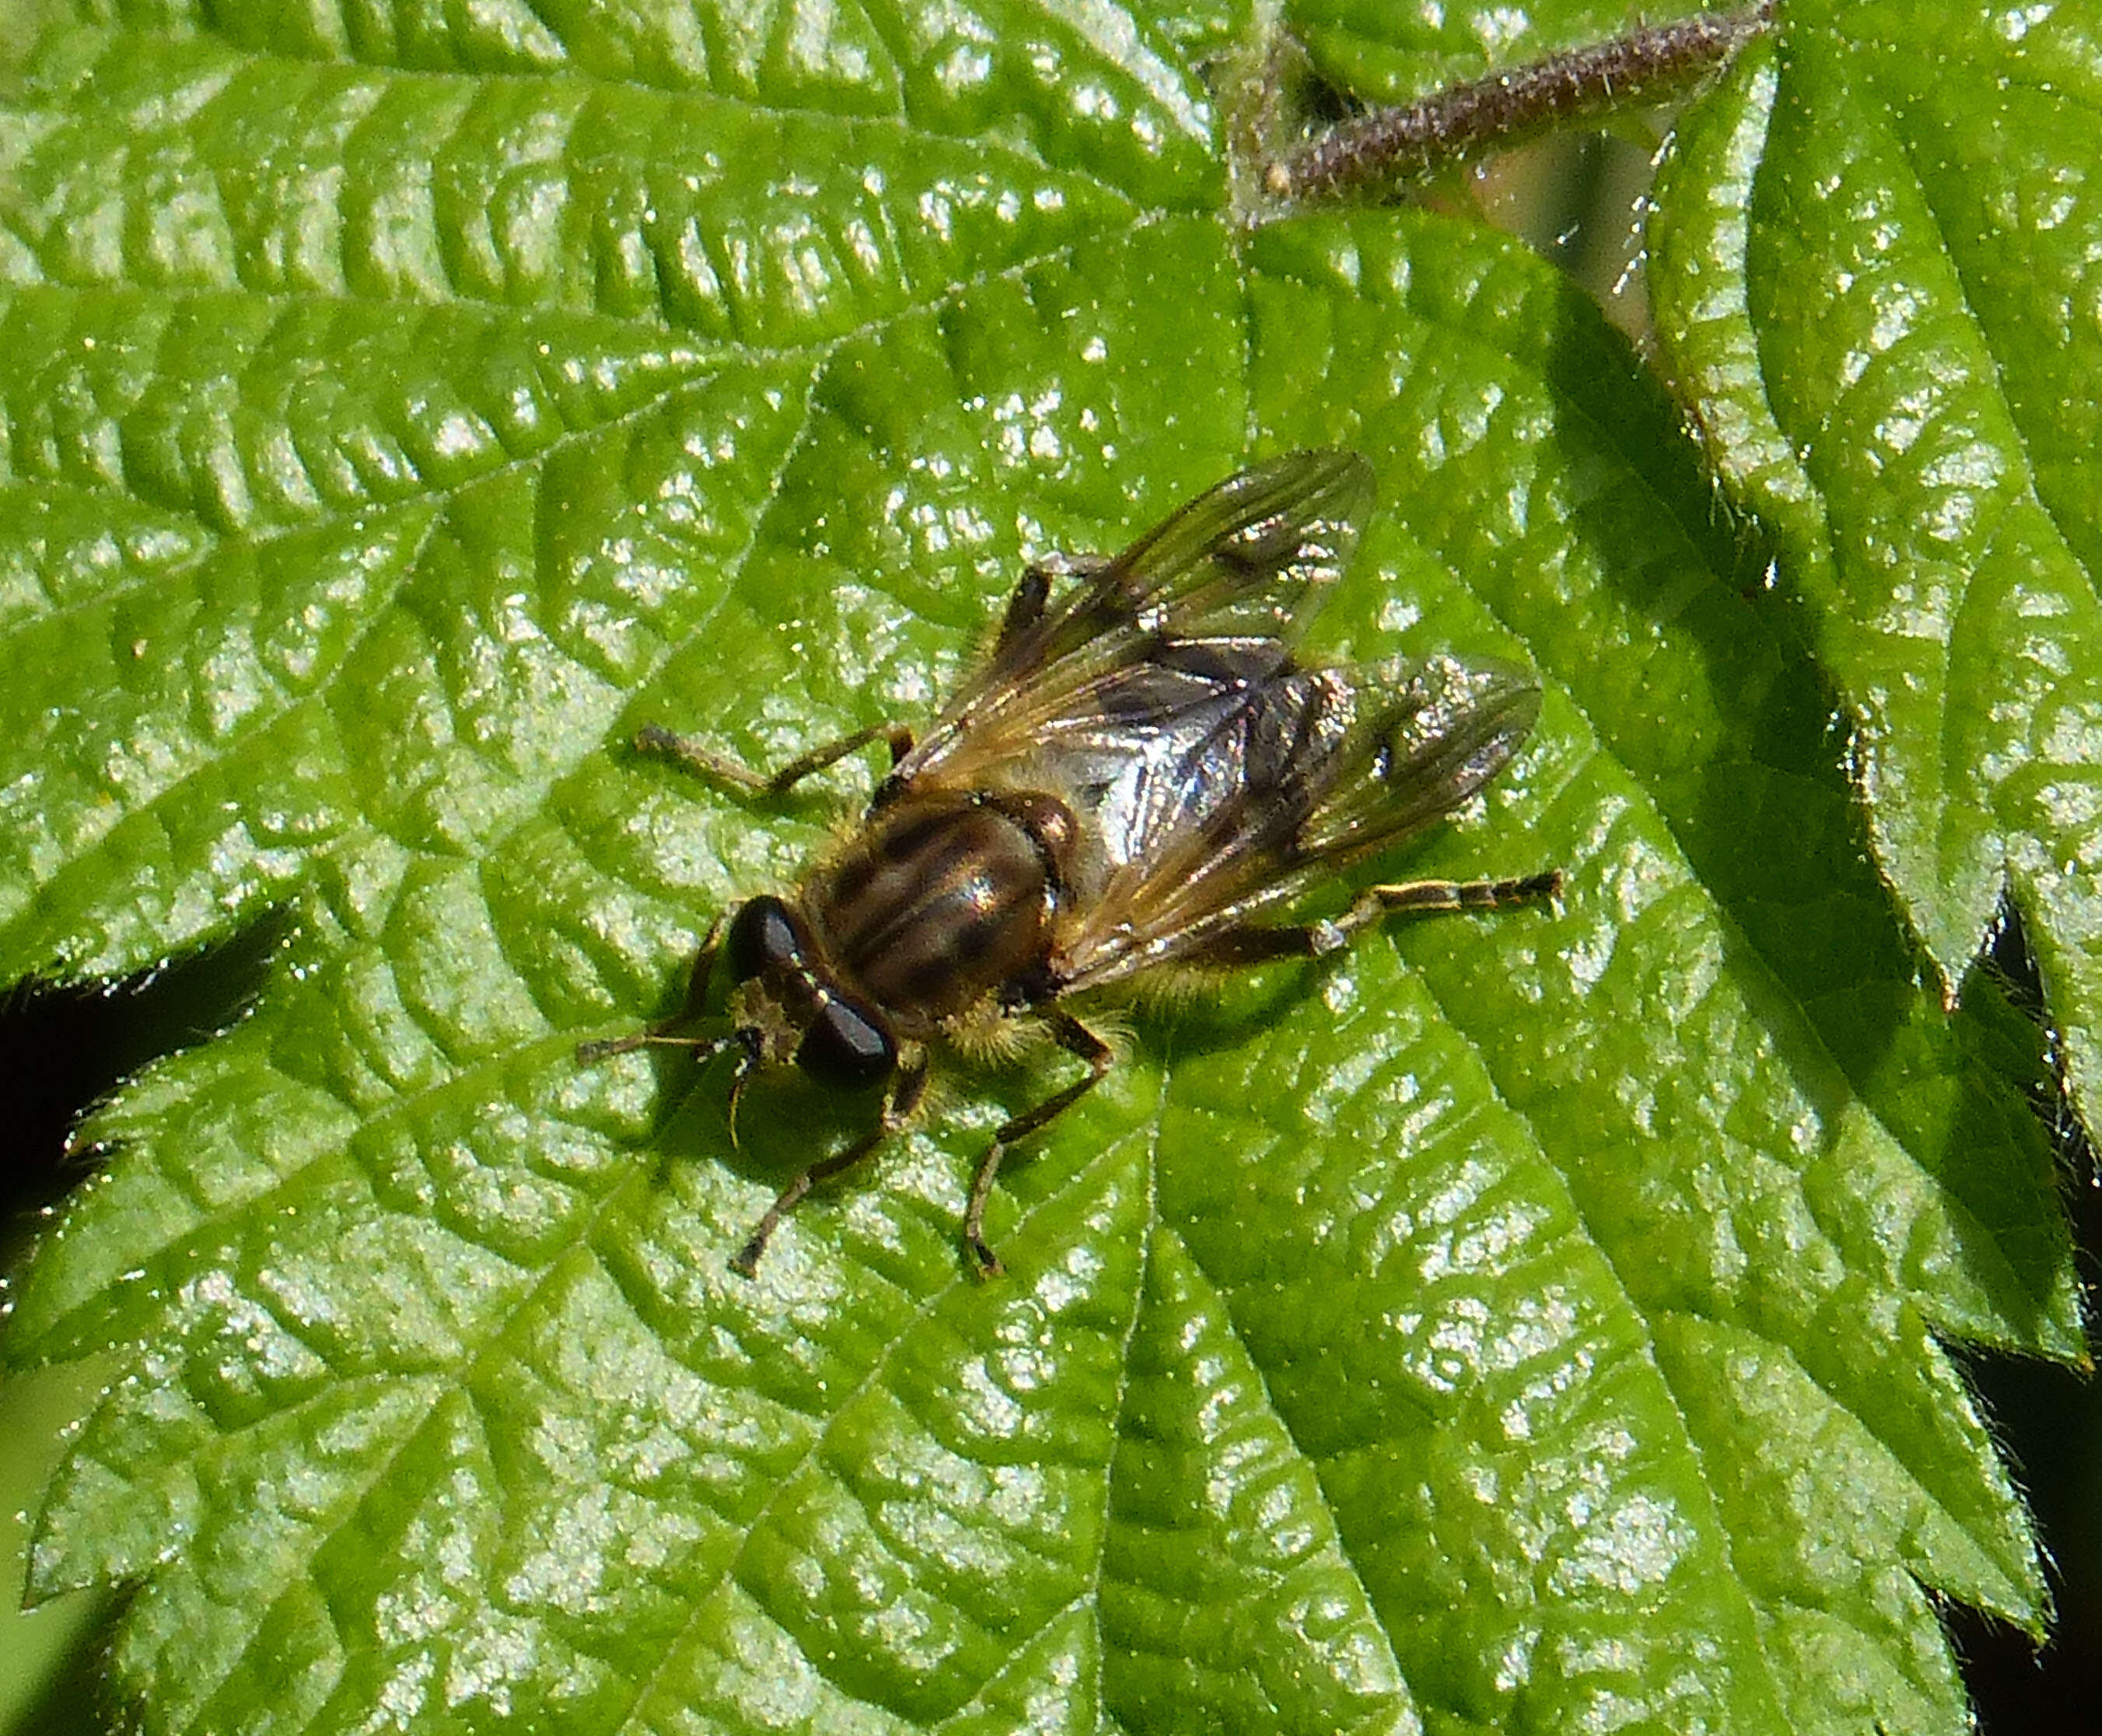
pixel 1876 279
pixel 1516 1322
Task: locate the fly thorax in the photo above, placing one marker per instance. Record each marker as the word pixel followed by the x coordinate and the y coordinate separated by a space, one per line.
pixel 941 902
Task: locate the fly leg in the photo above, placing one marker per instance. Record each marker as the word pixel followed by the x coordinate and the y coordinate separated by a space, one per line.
pixel 1257 945
pixel 654 738
pixel 1074 1038
pixel 1024 607
pixel 662 1033
pixel 1376 902
pixel 897 1106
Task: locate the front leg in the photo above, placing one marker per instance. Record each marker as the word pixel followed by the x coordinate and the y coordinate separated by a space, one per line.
pixel 654 738
pixel 902 1099
pixel 1074 1038
pixel 662 1033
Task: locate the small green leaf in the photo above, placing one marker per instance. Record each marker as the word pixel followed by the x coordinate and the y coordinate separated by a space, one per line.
pixel 1874 267
pixel 1520 1321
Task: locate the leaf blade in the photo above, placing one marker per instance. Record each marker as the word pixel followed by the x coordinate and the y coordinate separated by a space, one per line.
pixel 1881 365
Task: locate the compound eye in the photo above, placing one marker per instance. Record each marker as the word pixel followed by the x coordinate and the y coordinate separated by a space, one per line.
pixel 764 936
pixel 845 1046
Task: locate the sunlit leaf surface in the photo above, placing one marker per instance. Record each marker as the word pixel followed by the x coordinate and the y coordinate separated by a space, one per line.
pixel 1878 277
pixel 1533 1322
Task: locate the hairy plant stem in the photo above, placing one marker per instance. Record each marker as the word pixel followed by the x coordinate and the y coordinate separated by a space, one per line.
pixel 1390 144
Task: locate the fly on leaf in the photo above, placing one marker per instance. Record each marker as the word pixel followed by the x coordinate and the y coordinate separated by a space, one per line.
pixel 1136 780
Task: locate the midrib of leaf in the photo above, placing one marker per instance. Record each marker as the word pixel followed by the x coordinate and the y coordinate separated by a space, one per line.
pixel 1092 1592
pixel 1164 1245
pixel 1950 765
pixel 1753 450
pixel 1114 1153
pixel 806 1461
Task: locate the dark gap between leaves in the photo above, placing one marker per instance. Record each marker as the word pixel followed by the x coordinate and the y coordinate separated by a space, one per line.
pixel 2048 1421
pixel 66 1048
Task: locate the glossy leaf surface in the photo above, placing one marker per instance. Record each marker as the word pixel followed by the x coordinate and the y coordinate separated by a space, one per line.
pixel 1522 1322
pixel 1877 279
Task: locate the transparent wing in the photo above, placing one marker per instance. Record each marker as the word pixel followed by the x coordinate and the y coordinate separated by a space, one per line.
pixel 1438 734
pixel 1302 772
pixel 1251 560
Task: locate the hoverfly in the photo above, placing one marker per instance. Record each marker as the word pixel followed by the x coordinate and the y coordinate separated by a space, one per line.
pixel 1138 772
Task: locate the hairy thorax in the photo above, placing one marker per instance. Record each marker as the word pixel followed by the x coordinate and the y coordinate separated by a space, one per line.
pixel 943 901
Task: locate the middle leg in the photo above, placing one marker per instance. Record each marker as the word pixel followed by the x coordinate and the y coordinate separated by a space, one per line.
pixel 1074 1038
pixel 654 738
